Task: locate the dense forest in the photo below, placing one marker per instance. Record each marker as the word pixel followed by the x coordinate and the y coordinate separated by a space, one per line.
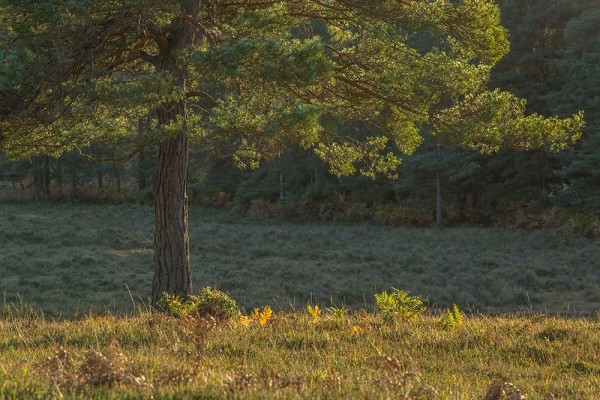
pixel 553 63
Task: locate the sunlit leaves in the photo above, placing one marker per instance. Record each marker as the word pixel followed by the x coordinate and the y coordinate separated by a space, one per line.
pixel 264 75
pixel 367 158
pixel 492 120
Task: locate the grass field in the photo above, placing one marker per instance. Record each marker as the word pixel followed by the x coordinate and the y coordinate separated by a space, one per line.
pixel 362 356
pixel 64 258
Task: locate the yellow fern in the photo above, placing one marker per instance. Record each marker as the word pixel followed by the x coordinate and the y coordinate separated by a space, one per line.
pixel 245 321
pixel 315 312
pixel 262 317
pixel 355 330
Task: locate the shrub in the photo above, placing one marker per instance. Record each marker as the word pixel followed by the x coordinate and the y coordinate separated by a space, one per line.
pixel 400 303
pixel 403 216
pixel 217 304
pixel 264 209
pixel 452 317
pixel 338 313
pixel 208 302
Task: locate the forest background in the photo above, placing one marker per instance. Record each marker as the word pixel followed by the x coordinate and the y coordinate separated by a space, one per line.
pixel 554 62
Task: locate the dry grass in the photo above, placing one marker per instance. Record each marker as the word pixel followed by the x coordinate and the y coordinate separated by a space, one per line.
pixel 361 355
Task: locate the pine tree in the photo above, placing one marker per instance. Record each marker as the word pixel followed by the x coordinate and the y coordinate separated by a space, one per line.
pixel 256 76
pixel 553 62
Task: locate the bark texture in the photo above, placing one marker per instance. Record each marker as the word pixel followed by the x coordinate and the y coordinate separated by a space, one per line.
pixel 172 272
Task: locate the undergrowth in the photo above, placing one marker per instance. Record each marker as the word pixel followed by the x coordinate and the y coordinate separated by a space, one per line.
pixel 315 353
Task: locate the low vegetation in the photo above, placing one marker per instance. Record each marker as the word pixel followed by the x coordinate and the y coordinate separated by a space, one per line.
pixel 72 258
pixel 313 311
pixel 297 355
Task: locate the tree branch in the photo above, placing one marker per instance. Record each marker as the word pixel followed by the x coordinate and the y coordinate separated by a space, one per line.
pixel 134 55
pixel 156 33
pixel 124 158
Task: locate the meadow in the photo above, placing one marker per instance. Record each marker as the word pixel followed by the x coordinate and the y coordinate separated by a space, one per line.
pixel 66 258
pixel 74 322
pixel 358 356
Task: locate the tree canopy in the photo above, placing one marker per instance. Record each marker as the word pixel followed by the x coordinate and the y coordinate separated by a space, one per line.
pixel 260 75
pixel 351 80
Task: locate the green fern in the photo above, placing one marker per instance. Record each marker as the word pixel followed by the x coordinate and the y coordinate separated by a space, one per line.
pixel 453 317
pixel 314 312
pixel 338 313
pixel 399 303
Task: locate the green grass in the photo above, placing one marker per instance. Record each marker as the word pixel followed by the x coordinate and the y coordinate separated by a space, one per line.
pixel 64 258
pixel 363 355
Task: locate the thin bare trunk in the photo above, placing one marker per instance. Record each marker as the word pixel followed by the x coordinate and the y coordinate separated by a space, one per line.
pixel 438 200
pixel 141 159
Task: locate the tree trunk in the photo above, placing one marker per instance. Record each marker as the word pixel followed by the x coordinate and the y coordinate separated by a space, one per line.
pixel 100 178
pixel 37 177
pixel 58 173
pixel 172 273
pixel 47 175
pixel 117 176
pixel 74 178
pixel 141 159
pixel 438 200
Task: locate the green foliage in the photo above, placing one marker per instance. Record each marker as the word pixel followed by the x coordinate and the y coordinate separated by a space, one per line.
pixel 216 303
pixel 338 313
pixel 452 317
pixel 266 76
pixel 400 304
pixel 490 121
pixel 209 301
pixel 177 305
pixel 554 63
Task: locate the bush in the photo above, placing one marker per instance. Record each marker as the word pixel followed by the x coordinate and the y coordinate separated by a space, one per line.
pixel 400 303
pixel 562 220
pixel 264 209
pixel 209 301
pixel 403 216
pixel 217 304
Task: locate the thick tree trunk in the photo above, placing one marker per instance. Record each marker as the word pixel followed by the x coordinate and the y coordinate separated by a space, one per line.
pixel 172 272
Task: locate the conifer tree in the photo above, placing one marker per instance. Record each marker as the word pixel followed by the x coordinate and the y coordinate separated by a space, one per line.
pixel 553 62
pixel 256 75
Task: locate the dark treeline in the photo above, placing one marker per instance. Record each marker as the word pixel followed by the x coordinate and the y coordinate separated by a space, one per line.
pixel 554 63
